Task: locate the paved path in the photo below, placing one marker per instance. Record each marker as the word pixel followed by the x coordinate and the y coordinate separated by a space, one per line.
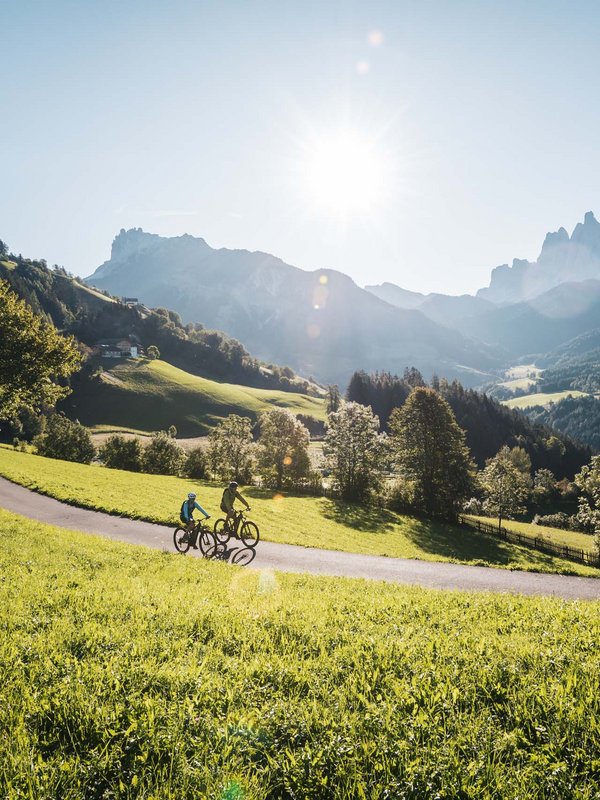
pixel 291 558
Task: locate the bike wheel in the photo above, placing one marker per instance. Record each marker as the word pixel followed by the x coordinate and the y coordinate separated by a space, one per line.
pixel 180 541
pixel 250 534
pixel 207 542
pixel 222 531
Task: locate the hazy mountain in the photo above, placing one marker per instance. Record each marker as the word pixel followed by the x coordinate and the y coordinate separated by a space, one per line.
pixel 541 324
pixel 441 308
pixel 319 322
pixel 401 298
pixel 563 258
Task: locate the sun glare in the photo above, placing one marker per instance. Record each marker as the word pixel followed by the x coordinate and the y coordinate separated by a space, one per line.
pixel 345 175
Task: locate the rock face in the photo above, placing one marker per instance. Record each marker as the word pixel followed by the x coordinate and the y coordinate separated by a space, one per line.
pixel 320 323
pixel 562 259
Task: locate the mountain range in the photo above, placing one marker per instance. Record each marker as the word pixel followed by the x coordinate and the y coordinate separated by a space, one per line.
pixel 323 324
pixel 320 323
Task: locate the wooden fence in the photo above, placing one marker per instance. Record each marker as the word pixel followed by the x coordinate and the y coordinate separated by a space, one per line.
pixel 536 542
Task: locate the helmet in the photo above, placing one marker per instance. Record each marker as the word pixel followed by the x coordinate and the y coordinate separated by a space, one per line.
pixel 191 496
pixel 233 485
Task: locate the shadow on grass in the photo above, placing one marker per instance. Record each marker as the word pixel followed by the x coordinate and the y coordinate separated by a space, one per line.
pixel 360 518
pixel 453 541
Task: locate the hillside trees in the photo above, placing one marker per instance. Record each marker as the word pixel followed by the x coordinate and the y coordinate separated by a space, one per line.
pixel 33 357
pixel 429 451
pixel 231 449
pixel 505 486
pixel 355 451
pixel 283 449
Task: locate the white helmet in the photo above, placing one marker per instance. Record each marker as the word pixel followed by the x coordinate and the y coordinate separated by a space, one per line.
pixel 191 496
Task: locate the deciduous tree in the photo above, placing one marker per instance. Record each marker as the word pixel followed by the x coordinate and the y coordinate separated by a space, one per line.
pixel 588 481
pixel 65 439
pixel 505 486
pixel 33 357
pixel 355 450
pixel 231 449
pixel 283 449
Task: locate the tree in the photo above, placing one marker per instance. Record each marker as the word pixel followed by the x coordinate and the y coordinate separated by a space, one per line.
pixel 153 352
pixel 544 486
pixel 522 461
pixel 163 456
pixel 195 463
pixel 117 452
pixel 33 356
pixel 283 449
pixel 504 485
pixel 588 481
pixel 333 398
pixel 429 450
pixel 355 451
pixel 65 439
pixel 231 449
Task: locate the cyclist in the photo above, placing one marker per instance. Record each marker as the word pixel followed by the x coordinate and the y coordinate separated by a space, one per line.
pixel 186 515
pixel 230 495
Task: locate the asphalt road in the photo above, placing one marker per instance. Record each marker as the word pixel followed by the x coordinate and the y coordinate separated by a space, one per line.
pixel 291 558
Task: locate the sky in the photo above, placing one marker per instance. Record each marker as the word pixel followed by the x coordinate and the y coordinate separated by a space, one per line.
pixel 420 142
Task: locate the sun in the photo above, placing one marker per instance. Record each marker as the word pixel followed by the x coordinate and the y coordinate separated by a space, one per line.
pixel 345 174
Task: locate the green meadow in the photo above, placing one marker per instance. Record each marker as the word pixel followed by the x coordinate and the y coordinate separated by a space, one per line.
pixel 541 398
pixel 127 673
pixel 289 519
pixel 149 395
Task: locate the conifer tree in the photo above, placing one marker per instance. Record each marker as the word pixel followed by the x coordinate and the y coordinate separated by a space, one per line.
pixel 429 450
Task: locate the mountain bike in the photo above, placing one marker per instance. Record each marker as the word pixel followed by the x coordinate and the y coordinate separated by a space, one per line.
pixel 238 528
pixel 201 535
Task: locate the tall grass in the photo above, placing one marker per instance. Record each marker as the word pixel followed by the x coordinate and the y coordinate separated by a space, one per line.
pixel 126 673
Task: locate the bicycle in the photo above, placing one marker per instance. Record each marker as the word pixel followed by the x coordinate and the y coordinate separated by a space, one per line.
pixel 200 534
pixel 242 528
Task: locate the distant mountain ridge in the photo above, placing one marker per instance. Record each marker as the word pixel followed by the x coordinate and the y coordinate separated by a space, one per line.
pixel 562 258
pixel 318 322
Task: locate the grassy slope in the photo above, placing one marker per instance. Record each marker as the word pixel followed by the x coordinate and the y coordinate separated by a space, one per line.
pixel 541 399
pixel 309 521
pixel 569 538
pixel 126 673
pixel 151 395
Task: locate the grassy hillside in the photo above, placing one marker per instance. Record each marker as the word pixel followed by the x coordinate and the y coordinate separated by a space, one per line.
pixel 127 673
pixel 540 399
pixel 151 395
pixel 584 541
pixel 310 521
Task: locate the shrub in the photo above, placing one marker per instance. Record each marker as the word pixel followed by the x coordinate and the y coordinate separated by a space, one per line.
pixel 559 520
pixel 163 456
pixel 195 463
pixel 153 352
pixel 66 440
pixel 121 453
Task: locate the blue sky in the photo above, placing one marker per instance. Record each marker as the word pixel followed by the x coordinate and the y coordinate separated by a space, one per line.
pixel 200 117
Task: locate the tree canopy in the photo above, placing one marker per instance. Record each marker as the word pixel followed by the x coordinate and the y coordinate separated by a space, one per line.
pixel 33 357
pixel 355 450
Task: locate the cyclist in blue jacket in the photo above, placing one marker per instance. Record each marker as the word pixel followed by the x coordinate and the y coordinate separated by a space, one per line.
pixel 186 515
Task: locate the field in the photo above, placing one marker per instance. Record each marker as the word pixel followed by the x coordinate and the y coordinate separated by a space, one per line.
pixel 148 395
pixel 523 371
pixel 309 521
pixel 569 538
pixel 127 673
pixel 541 399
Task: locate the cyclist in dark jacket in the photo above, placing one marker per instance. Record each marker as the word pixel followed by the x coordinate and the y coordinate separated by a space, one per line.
pixel 230 495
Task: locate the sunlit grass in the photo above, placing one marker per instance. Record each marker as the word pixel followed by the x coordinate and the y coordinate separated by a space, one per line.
pixel 126 673
pixel 144 395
